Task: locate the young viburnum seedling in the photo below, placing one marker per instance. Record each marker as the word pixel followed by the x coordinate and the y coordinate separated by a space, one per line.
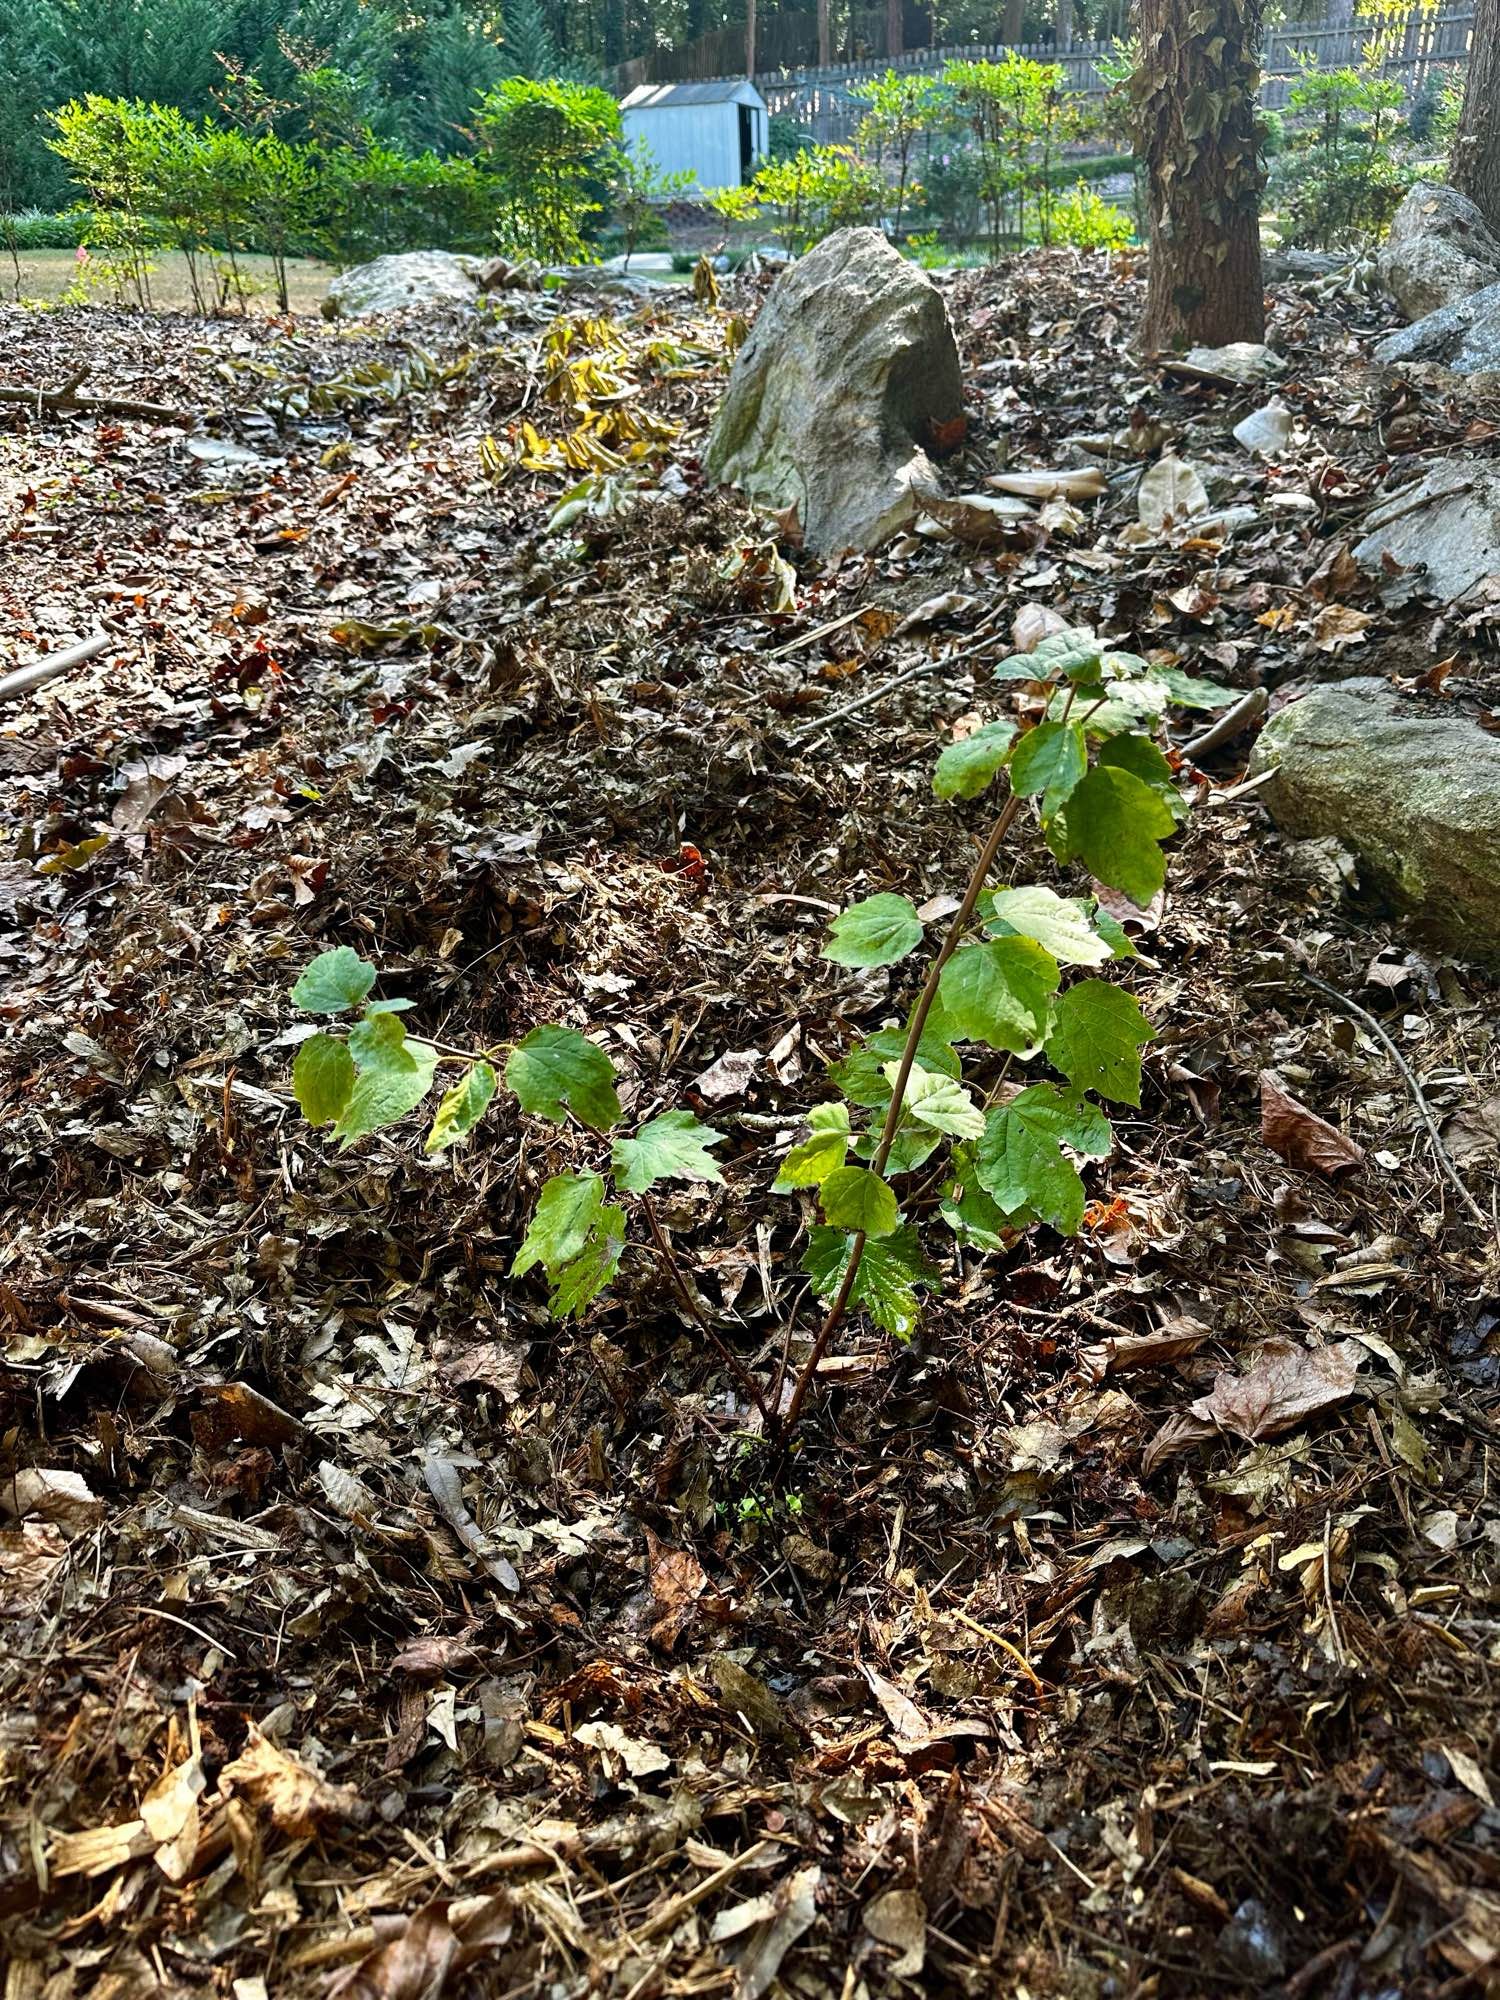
pixel 368 1072
pixel 1015 982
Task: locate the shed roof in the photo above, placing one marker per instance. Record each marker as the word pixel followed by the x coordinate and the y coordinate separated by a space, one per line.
pixel 717 90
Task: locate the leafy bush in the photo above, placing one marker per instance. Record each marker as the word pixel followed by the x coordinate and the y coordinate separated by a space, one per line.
pixel 1018 119
pixel 1083 220
pixel 547 149
pixel 903 104
pixel 36 229
pixel 818 190
pixel 1340 180
pixel 1015 980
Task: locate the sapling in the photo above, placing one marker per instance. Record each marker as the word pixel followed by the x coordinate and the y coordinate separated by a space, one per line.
pixel 933 1108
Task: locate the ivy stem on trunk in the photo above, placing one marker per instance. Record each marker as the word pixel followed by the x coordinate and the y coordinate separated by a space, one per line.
pixel 835 1314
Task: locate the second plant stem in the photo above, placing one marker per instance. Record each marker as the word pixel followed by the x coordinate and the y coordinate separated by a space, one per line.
pixel 918 1022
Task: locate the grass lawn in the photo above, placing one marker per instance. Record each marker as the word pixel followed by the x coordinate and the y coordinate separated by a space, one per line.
pixel 46 275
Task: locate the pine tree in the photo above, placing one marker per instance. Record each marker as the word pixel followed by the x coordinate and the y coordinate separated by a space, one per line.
pixel 528 48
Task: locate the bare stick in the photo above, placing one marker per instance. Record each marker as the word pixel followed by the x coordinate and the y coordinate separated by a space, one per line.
pixel 918 1022
pixel 24 679
pixel 922 668
pixel 1444 1157
pixel 68 398
pixel 1247 711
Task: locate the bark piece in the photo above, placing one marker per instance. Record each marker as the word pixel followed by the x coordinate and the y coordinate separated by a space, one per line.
pixel 1300 1136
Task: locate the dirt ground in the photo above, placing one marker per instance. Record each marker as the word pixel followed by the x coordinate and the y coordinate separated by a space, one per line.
pixel 1015 1679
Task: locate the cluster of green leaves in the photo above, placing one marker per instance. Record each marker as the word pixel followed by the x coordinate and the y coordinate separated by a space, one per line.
pixel 549 148
pixel 1020 986
pixel 370 1073
pixel 817 190
pixel 1341 175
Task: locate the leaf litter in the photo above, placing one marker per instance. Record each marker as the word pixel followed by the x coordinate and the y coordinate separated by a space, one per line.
pixel 367 1631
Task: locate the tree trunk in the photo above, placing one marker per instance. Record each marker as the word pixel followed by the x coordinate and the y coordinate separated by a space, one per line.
pixel 1203 190
pixel 750 38
pixel 895 28
pixel 1063 25
pixel 825 36
pixel 1015 20
pixel 1476 150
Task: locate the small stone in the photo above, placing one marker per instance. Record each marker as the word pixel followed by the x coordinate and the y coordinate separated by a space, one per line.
pixel 1448 524
pixel 1251 1942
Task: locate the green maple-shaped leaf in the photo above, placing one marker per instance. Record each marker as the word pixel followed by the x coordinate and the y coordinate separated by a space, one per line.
pixel 856 1198
pixel 938 1101
pixel 890 1273
pixel 576 1237
pixel 879 931
pixel 379 1042
pixel 1191 690
pixel 322 1078
pixel 860 1076
pixel 966 768
pixel 554 1070
pixel 393 1082
pixel 1057 923
pixel 1141 757
pixel 1097 1034
pixel 998 993
pixel 334 982
pixel 975 1219
pixel 1051 758
pixel 1020 1162
pixel 462 1107
pixel 1074 654
pixel 810 1164
pixel 672 1147
pixel 1114 823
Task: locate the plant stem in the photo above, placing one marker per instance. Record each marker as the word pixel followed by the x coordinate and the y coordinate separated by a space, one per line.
pixel 786 1425
pixel 668 1258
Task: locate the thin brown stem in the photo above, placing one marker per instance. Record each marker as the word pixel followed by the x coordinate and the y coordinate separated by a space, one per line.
pixel 668 1259
pixel 786 1425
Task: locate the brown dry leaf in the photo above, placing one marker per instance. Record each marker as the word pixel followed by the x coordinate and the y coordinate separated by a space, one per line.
pixel 1286 1385
pixel 983 520
pixel 1336 576
pixel 1032 624
pixel 61 1497
pixel 170 1814
pixel 29 1557
pixel 296 1796
pixel 901 1712
pixel 775 1922
pixel 414 1956
pixel 100 1849
pixel 935 610
pixel 678 1580
pixel 1473 1132
pixel 899 1918
pixel 1300 1136
pixel 1179 1337
pixel 1337 626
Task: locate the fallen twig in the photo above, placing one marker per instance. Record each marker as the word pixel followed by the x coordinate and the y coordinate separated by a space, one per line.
pixel 1444 1157
pixel 1246 712
pixel 24 679
pixel 68 397
pixel 917 672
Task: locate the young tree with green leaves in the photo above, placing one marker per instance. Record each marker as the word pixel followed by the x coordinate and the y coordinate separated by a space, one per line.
pixel 546 146
pixel 902 106
pixel 1194 90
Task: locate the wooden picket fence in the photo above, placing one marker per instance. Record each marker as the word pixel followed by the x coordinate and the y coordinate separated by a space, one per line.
pixel 820 100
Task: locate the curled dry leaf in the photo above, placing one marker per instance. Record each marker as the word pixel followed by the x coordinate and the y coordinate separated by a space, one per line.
pixel 678 1580
pixel 1086 484
pixel 295 1795
pixel 55 1495
pixel 30 1556
pixel 899 1919
pixel 1170 495
pixel 1300 1136
pixel 981 519
pixel 414 1956
pixel 774 1922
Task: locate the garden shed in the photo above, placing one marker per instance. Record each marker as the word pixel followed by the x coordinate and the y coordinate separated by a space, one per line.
pixel 717 131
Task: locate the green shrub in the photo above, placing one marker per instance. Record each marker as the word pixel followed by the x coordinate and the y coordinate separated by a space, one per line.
pixel 818 190
pixel 1019 120
pixel 1339 180
pixel 36 229
pixel 547 150
pixel 1083 220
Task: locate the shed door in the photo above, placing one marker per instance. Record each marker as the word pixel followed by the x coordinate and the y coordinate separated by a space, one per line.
pixel 747 141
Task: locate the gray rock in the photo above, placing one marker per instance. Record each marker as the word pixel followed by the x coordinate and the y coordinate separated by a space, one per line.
pixel 412 278
pixel 1448 521
pixel 834 397
pixel 1439 250
pixel 1413 793
pixel 1464 337
pixel 1252 1942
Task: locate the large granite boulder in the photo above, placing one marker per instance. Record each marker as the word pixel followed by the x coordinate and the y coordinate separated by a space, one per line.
pixel 1439 250
pixel 1446 526
pixel 411 278
pixel 1412 792
pixel 1464 336
pixel 850 377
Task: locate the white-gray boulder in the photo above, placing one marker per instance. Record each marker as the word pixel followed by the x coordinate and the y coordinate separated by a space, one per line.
pixel 1439 250
pixel 1464 336
pixel 1446 525
pixel 409 278
pixel 1413 792
pixel 847 381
